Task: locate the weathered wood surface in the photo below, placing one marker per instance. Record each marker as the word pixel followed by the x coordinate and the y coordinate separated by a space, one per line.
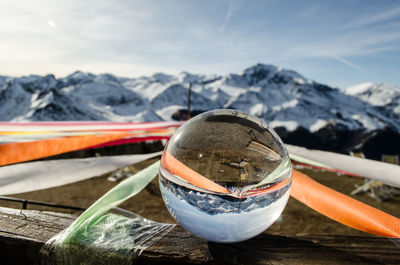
pixel 22 234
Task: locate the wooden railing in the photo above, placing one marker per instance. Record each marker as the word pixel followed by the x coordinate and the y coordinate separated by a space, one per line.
pixel 23 233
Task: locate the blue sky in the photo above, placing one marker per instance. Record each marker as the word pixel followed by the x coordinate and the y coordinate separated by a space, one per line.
pixel 340 43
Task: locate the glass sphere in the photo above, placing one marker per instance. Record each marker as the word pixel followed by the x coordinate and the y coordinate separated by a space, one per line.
pixel 225 176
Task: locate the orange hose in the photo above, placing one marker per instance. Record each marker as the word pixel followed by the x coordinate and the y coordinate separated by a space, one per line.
pixel 20 152
pixel 178 168
pixel 342 208
pixel 322 199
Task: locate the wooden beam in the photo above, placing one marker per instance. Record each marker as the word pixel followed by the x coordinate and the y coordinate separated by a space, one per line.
pixel 22 234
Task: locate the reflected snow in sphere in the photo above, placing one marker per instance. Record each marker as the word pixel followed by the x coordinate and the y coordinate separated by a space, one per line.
pixel 225 176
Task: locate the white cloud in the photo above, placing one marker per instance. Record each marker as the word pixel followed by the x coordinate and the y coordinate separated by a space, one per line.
pixel 232 7
pixel 51 24
pixel 140 37
pixel 348 63
pixel 375 17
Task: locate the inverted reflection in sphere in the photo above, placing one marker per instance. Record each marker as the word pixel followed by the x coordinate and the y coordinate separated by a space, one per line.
pixel 225 176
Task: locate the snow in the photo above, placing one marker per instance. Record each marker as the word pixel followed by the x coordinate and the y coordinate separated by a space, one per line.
pixel 163 78
pixel 166 113
pixel 319 124
pixel 281 97
pixel 228 87
pixel 289 125
pixel 185 77
pixel 287 104
pixel 380 95
pixel 367 123
pixel 257 109
pixel 360 88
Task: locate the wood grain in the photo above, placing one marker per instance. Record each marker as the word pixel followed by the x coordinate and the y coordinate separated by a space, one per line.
pixel 22 234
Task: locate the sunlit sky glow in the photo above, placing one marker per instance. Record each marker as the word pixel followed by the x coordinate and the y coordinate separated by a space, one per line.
pixel 339 43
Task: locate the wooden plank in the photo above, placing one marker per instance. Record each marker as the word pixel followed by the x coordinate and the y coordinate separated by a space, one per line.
pixel 22 234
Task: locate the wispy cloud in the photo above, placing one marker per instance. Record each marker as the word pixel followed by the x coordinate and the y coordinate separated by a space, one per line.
pixel 369 19
pixel 232 7
pixel 51 24
pixel 136 37
pixel 348 63
pixel 347 44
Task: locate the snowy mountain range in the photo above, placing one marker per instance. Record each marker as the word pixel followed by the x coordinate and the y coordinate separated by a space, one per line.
pixel 379 95
pixel 283 98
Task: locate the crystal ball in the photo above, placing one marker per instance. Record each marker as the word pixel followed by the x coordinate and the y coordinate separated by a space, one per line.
pixel 225 176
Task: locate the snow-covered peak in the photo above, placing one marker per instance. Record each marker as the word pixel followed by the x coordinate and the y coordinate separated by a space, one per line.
pixel 259 72
pixel 380 95
pixel 26 79
pixel 162 78
pixel 283 98
pixel 185 77
pixel 266 68
pixel 46 82
pixel 262 74
pixel 358 89
pixel 78 77
pixel 106 78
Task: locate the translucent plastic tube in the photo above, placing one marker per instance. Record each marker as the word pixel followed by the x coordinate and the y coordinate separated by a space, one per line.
pixel 104 234
pixel 384 172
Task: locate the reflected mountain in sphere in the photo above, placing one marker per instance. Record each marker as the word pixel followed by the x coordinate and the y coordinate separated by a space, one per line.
pixel 225 176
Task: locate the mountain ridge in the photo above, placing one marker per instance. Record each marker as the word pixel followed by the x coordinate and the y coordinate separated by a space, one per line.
pixel 289 102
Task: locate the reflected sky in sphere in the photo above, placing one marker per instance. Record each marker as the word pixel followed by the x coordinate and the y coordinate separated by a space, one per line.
pixel 225 176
